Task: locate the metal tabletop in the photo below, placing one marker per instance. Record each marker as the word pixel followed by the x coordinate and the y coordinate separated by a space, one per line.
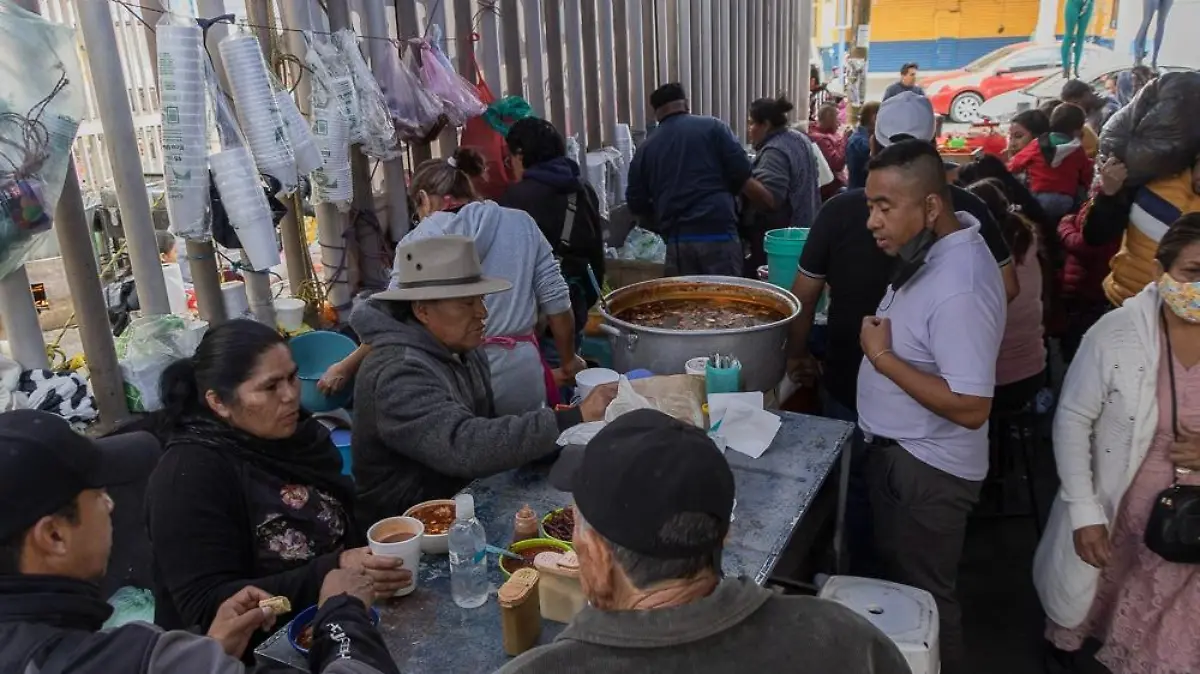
pixel 427 632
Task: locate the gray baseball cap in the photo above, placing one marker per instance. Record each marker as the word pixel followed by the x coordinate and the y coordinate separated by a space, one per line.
pixel 905 115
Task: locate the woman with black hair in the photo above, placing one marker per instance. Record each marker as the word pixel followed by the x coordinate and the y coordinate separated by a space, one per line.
pixel 1021 364
pixel 786 165
pixel 1018 195
pixel 250 490
pixel 1024 128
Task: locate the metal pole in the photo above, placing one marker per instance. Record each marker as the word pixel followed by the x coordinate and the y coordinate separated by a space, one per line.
pixel 662 35
pixel 721 60
pixel 639 47
pixel 687 51
pixel 436 14
pixel 535 45
pixel 737 54
pixel 116 117
pixel 290 233
pixel 623 59
pixel 573 22
pixel 91 311
pixel 771 63
pixel 856 64
pixel 489 45
pixel 510 25
pixel 395 191
pixel 705 61
pixel 591 76
pixel 408 27
pixel 258 283
pixel 608 77
pixel 556 75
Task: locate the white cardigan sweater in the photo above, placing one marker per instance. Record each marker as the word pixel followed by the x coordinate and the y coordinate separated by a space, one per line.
pixel 1102 430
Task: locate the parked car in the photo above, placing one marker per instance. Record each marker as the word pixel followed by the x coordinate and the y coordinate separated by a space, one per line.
pixel 960 93
pixel 1003 107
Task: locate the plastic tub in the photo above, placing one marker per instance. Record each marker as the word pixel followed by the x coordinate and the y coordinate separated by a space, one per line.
pixel 314 353
pixel 289 313
pixel 783 248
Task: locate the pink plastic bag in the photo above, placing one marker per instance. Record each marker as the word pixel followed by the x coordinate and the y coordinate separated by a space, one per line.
pixel 415 111
pixel 459 96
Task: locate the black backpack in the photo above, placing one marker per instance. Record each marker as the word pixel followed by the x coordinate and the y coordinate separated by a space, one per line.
pixel 581 244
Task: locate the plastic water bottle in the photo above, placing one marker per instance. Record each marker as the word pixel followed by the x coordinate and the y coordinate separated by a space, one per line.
pixel 468 557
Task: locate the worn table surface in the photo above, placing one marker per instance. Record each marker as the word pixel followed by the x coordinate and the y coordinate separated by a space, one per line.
pixel 427 632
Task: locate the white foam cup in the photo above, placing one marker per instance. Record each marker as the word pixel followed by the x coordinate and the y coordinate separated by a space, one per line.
pixel 409 550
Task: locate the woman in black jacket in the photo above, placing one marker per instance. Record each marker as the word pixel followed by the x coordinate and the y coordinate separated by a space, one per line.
pixel 547 181
pixel 250 490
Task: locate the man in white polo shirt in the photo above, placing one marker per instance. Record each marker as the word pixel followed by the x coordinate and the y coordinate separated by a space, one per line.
pixel 926 381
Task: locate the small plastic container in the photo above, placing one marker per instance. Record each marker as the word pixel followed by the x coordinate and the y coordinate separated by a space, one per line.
pixel 722 380
pixel 561 592
pixel 520 611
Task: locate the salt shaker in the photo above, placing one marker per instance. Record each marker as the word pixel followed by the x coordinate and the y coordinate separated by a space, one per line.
pixel 520 611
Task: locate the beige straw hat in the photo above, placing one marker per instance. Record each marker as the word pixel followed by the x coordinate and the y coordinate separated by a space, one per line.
pixel 440 268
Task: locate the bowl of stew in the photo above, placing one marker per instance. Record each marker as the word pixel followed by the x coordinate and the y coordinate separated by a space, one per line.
pixel 437 516
pixel 559 525
pixel 300 630
pixel 528 549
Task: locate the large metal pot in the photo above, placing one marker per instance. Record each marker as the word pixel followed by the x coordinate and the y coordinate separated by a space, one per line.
pixel 761 349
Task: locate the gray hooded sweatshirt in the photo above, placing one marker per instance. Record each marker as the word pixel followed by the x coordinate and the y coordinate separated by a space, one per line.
pixel 510 247
pixel 424 420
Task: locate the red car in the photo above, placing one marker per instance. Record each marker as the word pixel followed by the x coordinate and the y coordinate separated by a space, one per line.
pixel 959 93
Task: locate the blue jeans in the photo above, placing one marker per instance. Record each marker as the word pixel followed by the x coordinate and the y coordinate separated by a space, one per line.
pixel 858 531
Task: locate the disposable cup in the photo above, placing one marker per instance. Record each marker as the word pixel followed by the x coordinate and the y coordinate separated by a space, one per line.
pixel 592 377
pixel 408 550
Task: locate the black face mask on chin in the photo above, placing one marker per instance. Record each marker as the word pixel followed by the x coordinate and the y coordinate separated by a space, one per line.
pixel 912 257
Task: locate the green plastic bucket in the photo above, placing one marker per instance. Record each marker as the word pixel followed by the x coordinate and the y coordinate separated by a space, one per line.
pixel 783 247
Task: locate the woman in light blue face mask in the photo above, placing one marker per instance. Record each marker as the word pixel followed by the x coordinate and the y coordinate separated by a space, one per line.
pixel 1127 428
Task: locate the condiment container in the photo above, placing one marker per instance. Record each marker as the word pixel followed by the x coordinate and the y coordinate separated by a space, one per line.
pixel 525 525
pixel 520 616
pixel 560 590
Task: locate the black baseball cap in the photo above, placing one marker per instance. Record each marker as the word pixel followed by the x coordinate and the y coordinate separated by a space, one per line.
pixel 640 471
pixel 45 464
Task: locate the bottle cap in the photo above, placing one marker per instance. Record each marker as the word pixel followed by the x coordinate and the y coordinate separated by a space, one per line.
pixel 464 507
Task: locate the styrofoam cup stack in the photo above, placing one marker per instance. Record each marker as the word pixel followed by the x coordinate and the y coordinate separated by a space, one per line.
pixel 246 205
pixel 182 94
pixel 258 109
pixel 304 146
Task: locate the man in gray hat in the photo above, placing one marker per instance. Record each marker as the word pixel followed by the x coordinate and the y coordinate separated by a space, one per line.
pixel 424 417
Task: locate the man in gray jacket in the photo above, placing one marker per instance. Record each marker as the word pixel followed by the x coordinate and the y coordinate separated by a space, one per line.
pixel 653 498
pixel 55 539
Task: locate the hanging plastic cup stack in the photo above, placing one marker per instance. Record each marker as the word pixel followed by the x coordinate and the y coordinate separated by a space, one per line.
pixel 258 110
pixel 331 131
pixel 246 205
pixel 304 146
pixel 182 91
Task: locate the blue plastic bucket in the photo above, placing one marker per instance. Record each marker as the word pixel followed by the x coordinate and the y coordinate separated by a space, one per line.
pixel 314 353
pixel 783 247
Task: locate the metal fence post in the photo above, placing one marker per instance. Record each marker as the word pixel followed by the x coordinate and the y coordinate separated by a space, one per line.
pixel 116 117
pixel 573 23
pixel 535 46
pixel 639 46
pixel 608 77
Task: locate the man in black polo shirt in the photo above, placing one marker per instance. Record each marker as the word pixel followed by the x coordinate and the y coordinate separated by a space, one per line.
pixel 842 253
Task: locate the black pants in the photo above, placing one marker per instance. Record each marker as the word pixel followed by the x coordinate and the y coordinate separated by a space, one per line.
pixel 716 258
pixel 1012 398
pixel 919 518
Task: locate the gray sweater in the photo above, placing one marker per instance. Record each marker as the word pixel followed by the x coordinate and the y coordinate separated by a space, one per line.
pixel 424 419
pixel 740 627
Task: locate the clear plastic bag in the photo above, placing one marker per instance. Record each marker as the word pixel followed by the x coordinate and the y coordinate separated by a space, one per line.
pixel 41 108
pixel 460 97
pixel 643 245
pixel 376 132
pixel 145 350
pixel 415 112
